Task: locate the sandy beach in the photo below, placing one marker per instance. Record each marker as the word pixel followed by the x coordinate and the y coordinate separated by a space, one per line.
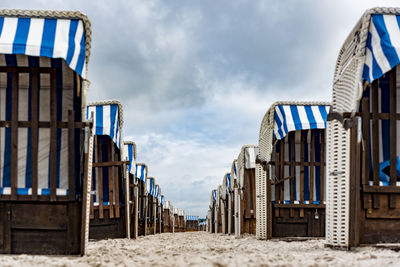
pixel 204 249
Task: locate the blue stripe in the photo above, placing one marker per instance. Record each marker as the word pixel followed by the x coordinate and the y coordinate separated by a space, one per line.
pixel 130 155
pixel 71 40
pixel 48 37
pixel 99 120
pixel 1 25
pixel 310 117
pixel 376 69
pixel 81 57
pixel 113 115
pixel 385 108
pixel 386 44
pixel 21 35
pixel 278 124
pixel 296 117
pixel 324 114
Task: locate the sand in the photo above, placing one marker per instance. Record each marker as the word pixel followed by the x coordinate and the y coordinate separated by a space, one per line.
pixel 204 249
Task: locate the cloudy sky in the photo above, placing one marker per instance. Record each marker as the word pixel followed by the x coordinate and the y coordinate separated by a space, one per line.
pixel 196 77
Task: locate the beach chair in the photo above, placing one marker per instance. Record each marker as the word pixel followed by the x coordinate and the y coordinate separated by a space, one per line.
pixel 225 200
pixel 44 152
pixel 214 212
pixel 161 212
pixel 291 184
pixel 167 217
pixel 141 175
pixel 133 192
pixel 150 220
pixel 219 207
pixel 109 205
pixel 235 218
pixel 157 209
pixel 176 221
pixel 182 221
pixel 229 203
pixel 192 223
pixel 246 207
pixel 363 168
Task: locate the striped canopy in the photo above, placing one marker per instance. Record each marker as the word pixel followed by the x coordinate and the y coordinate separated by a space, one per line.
pixel 214 194
pixel 299 117
pixel 162 199
pixel 150 184
pixel 383 46
pixel 228 182
pixel 156 191
pixel 192 218
pixel 235 169
pixel 250 155
pixel 45 37
pixel 141 172
pixel 106 119
pixel 130 154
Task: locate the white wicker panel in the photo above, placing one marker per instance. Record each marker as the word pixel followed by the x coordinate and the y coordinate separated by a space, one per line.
pixel 89 188
pixel 237 213
pixel 338 176
pixel 261 202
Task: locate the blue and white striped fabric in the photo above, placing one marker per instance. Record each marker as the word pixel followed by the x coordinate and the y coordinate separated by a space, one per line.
pixel 67 99
pixel 129 150
pixel 298 117
pixel 141 172
pixel 162 200
pixel 383 46
pixel 228 182
pixel 235 169
pixel 156 191
pixel 192 218
pixel 214 193
pixel 45 37
pixel 106 120
pixel 150 186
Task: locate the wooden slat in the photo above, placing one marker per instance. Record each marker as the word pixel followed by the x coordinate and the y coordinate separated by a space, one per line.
pixel 53 137
pixel 303 141
pixel 393 135
pixel 111 177
pixel 14 135
pixel 44 124
pixel 109 163
pixel 34 132
pixel 117 174
pixel 292 169
pixel 71 155
pixel 277 166
pixel 282 171
pixel 100 179
pixel 366 142
pixel 26 69
pixel 375 132
pixel 381 189
pixel 322 169
pixel 312 169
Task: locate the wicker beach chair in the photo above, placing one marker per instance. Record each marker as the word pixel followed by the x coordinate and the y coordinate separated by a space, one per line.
pixel 245 209
pixel 141 175
pixel 151 204
pixel 109 204
pixel 133 190
pixel 291 170
pixel 363 201
pixel 44 154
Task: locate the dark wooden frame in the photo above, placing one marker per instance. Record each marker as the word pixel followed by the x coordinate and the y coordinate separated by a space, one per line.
pixel 290 219
pixel 374 209
pixel 37 224
pixel 142 207
pixel 167 221
pixel 109 221
pixel 248 203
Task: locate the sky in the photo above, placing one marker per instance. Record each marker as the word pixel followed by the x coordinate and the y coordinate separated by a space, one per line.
pixel 196 77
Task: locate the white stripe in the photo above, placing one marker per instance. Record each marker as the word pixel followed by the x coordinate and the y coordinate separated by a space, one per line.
pixel 394 31
pixel 368 62
pixel 279 114
pixel 376 47
pixel 106 120
pixel 78 38
pixel 34 37
pixel 289 119
pixel 61 38
pixel 303 117
pixel 8 35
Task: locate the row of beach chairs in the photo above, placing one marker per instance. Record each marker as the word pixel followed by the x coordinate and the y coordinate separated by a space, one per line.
pixel 326 169
pixel 66 173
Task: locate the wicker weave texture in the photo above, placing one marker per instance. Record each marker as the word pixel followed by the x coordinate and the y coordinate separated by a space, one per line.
pixel 261 202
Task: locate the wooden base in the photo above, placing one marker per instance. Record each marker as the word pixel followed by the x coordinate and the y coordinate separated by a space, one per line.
pixel 108 228
pixel 298 222
pixel 49 228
